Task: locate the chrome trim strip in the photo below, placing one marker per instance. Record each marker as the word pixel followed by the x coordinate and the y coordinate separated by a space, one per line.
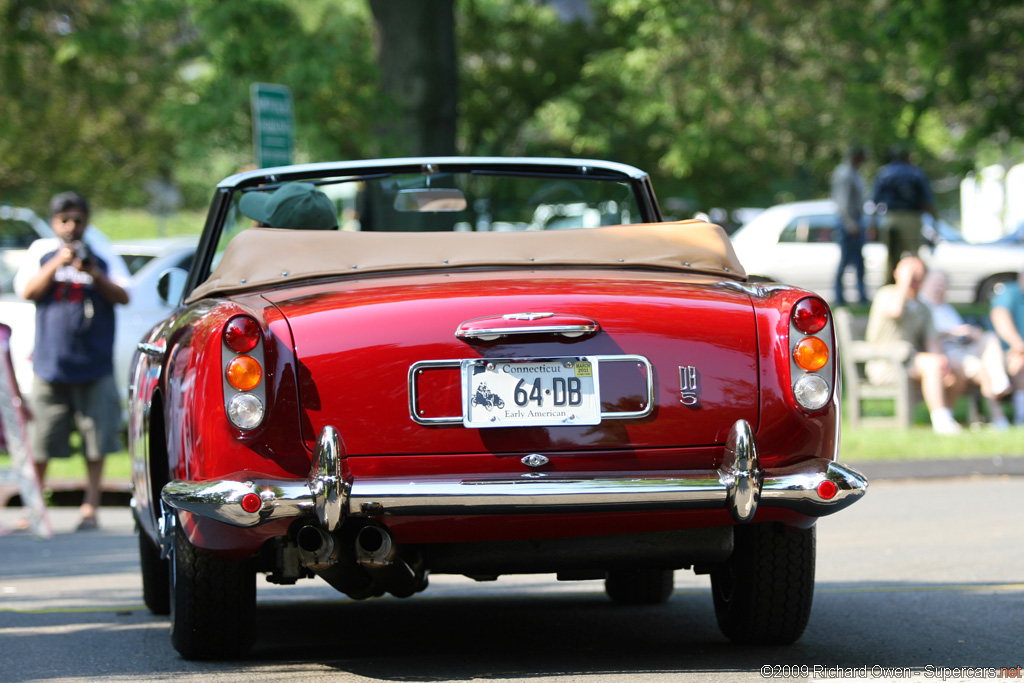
pixel 794 488
pixel 221 499
pixel 649 399
pixel 363 167
pixel 414 404
pixel 329 494
pixel 456 363
pixel 402 498
pixel 151 349
pixel 494 333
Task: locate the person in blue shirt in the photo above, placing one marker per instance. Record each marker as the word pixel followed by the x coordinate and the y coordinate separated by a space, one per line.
pixel 1007 317
pixel 75 285
pixel 902 195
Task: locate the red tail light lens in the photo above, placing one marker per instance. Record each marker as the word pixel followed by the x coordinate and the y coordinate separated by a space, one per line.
pixel 242 334
pixel 810 315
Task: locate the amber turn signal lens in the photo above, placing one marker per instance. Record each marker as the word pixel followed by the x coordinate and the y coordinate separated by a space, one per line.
pixel 244 373
pixel 810 315
pixel 811 354
pixel 242 334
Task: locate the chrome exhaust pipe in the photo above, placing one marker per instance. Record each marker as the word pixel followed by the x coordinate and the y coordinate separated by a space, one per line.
pixel 321 552
pixel 317 548
pixel 374 547
pixel 377 553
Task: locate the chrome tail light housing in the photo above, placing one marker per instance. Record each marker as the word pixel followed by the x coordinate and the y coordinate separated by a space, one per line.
pixel 242 362
pixel 811 353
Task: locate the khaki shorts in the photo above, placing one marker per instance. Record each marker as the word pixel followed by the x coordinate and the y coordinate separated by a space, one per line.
pixel 901 231
pixel 93 408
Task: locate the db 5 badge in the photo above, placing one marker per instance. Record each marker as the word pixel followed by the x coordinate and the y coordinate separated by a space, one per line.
pixel 689 387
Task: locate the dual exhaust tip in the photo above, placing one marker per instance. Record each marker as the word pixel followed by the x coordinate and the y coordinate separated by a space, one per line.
pixel 374 546
pixel 370 565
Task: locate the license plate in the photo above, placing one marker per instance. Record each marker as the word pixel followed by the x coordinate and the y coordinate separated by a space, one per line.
pixel 530 392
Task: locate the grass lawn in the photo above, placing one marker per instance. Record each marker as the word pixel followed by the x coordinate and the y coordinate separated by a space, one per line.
pixel 117 467
pixel 858 445
pixel 130 224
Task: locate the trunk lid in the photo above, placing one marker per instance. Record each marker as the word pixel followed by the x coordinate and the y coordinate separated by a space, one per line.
pixel 356 340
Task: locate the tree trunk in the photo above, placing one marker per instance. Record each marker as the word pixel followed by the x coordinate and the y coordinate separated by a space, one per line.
pixel 416 53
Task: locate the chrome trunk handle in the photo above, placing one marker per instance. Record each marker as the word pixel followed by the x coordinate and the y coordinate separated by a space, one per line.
pixel 509 324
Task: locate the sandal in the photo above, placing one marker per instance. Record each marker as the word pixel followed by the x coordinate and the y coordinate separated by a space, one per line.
pixel 87 523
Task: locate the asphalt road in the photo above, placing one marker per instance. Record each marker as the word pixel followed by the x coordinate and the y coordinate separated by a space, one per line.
pixel 926 575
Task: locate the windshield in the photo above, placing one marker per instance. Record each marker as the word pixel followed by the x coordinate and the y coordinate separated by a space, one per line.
pixel 471 202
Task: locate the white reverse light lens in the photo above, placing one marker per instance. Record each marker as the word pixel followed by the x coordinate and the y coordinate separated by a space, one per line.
pixel 811 391
pixel 245 411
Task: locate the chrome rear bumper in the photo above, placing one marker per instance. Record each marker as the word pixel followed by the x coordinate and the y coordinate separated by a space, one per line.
pixel 815 487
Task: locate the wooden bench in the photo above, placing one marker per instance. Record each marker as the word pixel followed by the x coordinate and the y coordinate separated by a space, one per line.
pixel 854 354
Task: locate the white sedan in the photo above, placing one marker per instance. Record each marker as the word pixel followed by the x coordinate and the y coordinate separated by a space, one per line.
pixel 796 244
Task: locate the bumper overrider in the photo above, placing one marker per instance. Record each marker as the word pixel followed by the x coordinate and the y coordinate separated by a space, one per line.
pixel 815 487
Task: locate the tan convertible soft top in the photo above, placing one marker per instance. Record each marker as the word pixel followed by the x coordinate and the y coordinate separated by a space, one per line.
pixel 263 256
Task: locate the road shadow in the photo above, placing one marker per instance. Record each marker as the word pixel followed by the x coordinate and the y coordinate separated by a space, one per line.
pixel 890 625
pixel 542 633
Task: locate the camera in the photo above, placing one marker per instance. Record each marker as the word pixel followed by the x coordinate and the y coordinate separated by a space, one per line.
pixel 81 252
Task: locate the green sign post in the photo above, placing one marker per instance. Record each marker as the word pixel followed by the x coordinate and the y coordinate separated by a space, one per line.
pixel 273 124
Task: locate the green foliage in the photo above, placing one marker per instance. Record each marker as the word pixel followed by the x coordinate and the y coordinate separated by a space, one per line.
pixel 731 102
pixel 79 81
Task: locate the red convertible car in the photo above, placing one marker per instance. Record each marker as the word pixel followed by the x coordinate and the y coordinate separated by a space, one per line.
pixel 493 366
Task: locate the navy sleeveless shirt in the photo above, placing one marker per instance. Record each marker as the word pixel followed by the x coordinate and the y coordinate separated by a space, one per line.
pixel 74 328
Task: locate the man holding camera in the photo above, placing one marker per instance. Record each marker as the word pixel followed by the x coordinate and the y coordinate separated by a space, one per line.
pixel 75 283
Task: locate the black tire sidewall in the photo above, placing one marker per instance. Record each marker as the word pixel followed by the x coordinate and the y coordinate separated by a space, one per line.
pixel 213 603
pixel 156 577
pixel 763 593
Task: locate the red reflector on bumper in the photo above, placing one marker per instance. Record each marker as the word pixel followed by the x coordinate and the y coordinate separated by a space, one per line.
pixel 251 502
pixel 827 490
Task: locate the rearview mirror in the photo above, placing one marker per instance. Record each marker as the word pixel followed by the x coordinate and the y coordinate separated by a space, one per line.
pixel 430 199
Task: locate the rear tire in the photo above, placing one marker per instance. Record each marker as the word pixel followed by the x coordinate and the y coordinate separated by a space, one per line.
pixel 213 603
pixel 639 586
pixel 764 591
pixel 156 577
pixel 992 286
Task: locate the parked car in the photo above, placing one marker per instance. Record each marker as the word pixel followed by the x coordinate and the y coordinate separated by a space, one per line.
pixel 448 390
pixel 796 243
pixel 19 228
pixel 146 260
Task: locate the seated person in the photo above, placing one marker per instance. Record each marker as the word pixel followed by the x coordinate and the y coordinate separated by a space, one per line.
pixel 897 314
pixel 1008 321
pixel 974 351
pixel 298 206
